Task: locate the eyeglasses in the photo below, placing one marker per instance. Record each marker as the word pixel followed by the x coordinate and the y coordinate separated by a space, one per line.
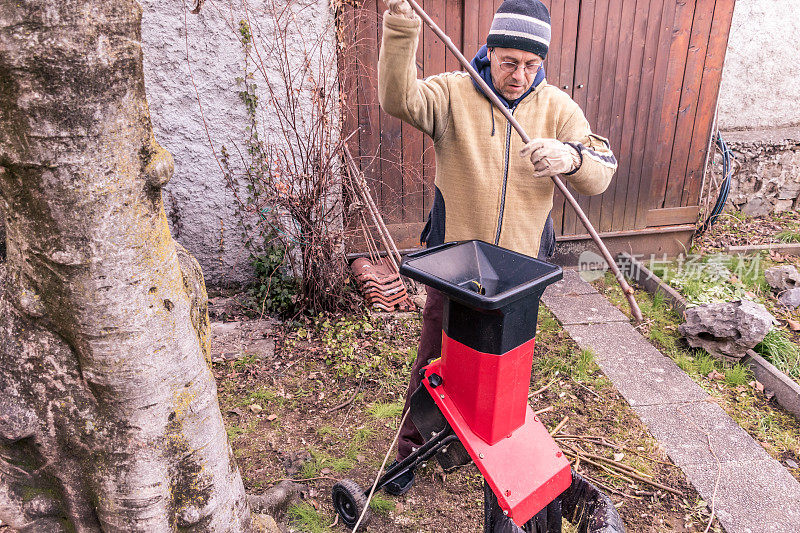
pixel 511 66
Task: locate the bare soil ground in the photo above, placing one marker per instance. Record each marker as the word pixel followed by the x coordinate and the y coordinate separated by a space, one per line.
pixel 325 405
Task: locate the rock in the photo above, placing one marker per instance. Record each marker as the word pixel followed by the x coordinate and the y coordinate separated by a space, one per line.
pixel 783 277
pixel 756 207
pixel 790 298
pixel 726 329
pixel 789 191
pixel 781 206
pixel 263 348
pixel 263 523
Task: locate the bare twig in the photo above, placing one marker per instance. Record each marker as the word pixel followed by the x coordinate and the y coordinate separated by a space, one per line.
pixel 361 186
pixel 584 387
pixel 345 403
pixel 541 390
pixel 545 410
pixel 716 484
pixel 719 466
pixel 608 487
pixel 559 426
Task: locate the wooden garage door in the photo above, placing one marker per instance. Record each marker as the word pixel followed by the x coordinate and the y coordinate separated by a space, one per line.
pixel 646 73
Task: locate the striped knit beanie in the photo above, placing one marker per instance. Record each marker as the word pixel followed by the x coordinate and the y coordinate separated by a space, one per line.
pixel 521 24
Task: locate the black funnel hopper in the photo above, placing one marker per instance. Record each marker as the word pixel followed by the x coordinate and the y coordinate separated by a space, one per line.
pixel 492 293
pixel 479 274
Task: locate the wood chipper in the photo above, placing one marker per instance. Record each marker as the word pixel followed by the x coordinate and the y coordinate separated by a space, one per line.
pixel 473 401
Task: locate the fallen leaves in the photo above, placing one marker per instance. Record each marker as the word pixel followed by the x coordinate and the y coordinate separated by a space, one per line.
pixel 778 257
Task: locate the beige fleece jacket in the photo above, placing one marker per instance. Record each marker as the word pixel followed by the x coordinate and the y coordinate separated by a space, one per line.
pixel 473 152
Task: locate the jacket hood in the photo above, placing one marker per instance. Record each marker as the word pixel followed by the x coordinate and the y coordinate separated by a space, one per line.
pixel 482 64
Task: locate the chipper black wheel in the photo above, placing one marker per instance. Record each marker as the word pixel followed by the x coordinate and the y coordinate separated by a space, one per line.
pixel 349 501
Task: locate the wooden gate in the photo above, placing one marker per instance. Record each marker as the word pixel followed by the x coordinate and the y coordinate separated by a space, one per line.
pixel 645 72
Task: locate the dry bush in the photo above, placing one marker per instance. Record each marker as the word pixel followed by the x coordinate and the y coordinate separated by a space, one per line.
pixel 290 163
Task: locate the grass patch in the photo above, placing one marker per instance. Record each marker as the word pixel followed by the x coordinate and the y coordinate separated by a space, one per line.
pixel 363 435
pixel 304 517
pixel 325 431
pixel 707 280
pixel 781 352
pixel 547 323
pixel 381 505
pixel 265 396
pixel 320 460
pixel 788 236
pixel 705 363
pixel 383 411
pixel 243 362
pixel 685 362
pixel 234 432
pixel 737 375
pixel 584 366
pixel 356 346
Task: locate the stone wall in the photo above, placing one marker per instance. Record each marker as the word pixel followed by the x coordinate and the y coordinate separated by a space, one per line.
pixel 768 176
pixel 194 64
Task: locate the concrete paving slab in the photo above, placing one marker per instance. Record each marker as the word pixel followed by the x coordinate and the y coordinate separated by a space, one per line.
pixel 752 496
pixel 571 284
pixel 583 309
pixel 688 432
pixel 642 374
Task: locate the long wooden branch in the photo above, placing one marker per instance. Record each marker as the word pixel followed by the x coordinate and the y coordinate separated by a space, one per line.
pixel 637 313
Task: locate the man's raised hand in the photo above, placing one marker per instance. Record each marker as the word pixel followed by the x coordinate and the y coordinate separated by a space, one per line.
pixel 550 157
pixel 399 7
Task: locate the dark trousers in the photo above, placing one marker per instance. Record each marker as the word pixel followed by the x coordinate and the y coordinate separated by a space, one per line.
pixel 430 347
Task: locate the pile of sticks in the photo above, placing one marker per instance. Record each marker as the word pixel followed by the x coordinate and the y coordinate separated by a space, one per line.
pixel 573 447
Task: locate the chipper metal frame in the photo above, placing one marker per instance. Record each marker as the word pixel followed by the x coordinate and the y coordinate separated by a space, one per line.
pixel 473 404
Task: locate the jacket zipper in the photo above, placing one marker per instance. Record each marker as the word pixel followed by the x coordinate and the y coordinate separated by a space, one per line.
pixel 505 181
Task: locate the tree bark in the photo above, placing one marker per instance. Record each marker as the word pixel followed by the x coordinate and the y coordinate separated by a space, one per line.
pixel 109 419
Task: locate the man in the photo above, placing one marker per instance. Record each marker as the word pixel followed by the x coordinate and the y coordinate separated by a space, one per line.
pixel 483 189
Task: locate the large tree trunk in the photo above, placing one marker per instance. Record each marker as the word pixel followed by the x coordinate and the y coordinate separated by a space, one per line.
pixel 108 410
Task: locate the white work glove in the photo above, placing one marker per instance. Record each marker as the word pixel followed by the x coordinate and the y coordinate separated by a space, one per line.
pixel 399 7
pixel 551 157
